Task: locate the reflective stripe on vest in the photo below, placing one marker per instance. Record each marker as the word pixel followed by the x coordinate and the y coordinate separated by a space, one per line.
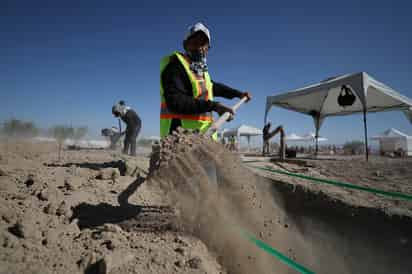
pixel 166 114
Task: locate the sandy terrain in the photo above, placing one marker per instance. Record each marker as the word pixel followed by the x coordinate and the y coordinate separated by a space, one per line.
pixel 389 174
pixel 80 216
pixel 96 211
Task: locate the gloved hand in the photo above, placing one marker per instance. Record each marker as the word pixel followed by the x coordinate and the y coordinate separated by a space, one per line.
pixel 221 109
pixel 246 94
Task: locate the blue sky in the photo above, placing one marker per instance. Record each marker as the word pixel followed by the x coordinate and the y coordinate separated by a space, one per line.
pixel 67 62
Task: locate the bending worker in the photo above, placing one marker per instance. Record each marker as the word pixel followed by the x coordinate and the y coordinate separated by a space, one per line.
pixel 133 126
pixel 266 131
pixel 186 89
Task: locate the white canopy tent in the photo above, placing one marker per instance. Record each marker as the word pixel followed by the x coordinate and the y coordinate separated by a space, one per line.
pixel 242 130
pixel 295 138
pixel 312 137
pixel 309 137
pixel 323 99
pixel 391 140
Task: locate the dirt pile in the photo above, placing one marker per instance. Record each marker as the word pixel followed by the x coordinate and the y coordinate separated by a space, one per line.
pixel 93 213
pixel 218 213
pixel 83 214
pixel 313 229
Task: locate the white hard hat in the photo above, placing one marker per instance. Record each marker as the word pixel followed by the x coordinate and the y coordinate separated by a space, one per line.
pixel 195 28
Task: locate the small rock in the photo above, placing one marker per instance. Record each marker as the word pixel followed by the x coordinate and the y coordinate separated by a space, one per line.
pixel 63 210
pixel 43 195
pixel 108 174
pixel 286 225
pixel 109 245
pixel 180 250
pixel 194 262
pixel 7 216
pixel 179 240
pixel 155 260
pixel 112 228
pixel 68 185
pixel 114 260
pixel 2 173
pixel 30 180
pixel 96 235
pixel 9 241
pixel 50 209
pixel 179 264
pixel 17 230
pixel 18 196
pixel 87 262
pixel 378 173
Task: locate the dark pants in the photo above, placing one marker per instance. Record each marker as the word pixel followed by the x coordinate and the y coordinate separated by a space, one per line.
pixel 174 125
pixel 130 141
pixel 266 147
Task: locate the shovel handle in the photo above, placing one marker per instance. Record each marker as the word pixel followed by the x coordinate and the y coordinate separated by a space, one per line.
pixel 223 118
pixel 238 104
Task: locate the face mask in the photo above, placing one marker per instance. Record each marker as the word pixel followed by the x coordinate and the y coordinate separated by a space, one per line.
pixel 197 56
pixel 199 62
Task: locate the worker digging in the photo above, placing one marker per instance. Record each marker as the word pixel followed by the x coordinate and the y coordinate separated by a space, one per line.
pixel 186 89
pixel 133 126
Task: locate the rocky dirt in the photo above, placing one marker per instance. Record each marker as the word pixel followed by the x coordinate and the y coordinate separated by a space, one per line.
pixel 388 174
pixel 89 213
pixel 97 211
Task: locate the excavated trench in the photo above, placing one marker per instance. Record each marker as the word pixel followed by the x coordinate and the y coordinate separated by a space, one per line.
pixel 341 238
pixel 323 235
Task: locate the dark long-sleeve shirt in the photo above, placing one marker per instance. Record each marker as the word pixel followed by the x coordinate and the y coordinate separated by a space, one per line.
pixel 132 121
pixel 265 130
pixel 179 95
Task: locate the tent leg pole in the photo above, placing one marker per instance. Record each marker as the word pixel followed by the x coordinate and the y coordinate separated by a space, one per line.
pixel 366 136
pixel 316 137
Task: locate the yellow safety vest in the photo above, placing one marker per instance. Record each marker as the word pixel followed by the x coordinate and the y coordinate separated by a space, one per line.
pixel 202 88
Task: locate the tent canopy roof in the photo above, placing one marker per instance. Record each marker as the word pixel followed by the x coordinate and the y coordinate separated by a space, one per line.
pixel 321 100
pixel 307 137
pixel 294 137
pixel 391 133
pixel 312 136
pixel 243 130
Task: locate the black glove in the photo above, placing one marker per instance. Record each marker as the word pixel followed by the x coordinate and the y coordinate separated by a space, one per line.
pixel 246 94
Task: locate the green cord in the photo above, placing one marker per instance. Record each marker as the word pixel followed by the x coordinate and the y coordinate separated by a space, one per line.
pixel 340 184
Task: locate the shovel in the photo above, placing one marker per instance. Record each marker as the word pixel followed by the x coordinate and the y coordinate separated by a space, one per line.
pixel 209 166
pixel 223 118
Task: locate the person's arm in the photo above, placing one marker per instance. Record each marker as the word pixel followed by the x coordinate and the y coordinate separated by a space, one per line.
pixel 178 98
pixel 221 90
